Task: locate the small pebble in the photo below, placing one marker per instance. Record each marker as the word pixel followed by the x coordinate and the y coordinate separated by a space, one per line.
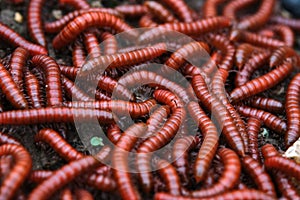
pixel 57 14
pixel 18 17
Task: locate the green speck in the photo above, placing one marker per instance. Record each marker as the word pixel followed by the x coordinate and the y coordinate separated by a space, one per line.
pixel 97 141
pixel 265 133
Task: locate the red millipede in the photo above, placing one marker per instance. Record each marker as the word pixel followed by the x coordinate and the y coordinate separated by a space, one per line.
pixel 162 137
pixel 120 160
pixel 250 66
pixel 38 176
pixel 156 120
pixel 124 59
pixel 293 23
pixel 246 194
pixel 17 62
pixel 33 90
pixel 74 92
pixel 69 71
pixel 271 121
pixel 180 8
pixel 18 173
pixel 286 186
pixel 92 45
pixel 282 53
pixel 285 165
pixel 117 106
pixel 14 39
pixel 78 54
pixel 228 50
pixel 210 8
pixel 180 154
pixel 77 4
pixel 7 139
pixel 110 43
pixel 255 39
pixel 68 173
pixel 90 19
pixel 11 90
pixel 147 21
pixel 169 174
pixel 193 28
pixel 262 83
pixel 159 11
pixel 259 18
pixel 259 175
pixel 186 52
pixel 230 10
pixel 229 178
pixel 6 163
pixel 58 143
pixel 99 95
pixel 268 104
pixel 52 78
pixel 253 129
pixel 113 133
pixel 285 33
pixel 53 115
pixel 56 26
pixel 132 11
pixel 243 53
pixel 82 194
pixel 210 144
pixel 218 89
pixel 222 115
pixel 35 23
pixel 292 109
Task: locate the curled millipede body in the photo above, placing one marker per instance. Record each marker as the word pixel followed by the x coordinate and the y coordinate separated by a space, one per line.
pixel 160 12
pixel 255 39
pixel 259 175
pixel 180 154
pixel 18 173
pixel 110 43
pixel 287 166
pixel 170 176
pixel 77 4
pixel 260 18
pixel 222 115
pixel 53 115
pixel 117 106
pixel 293 23
pixel 292 109
pixel 281 54
pixel 92 45
pixel 86 20
pixel 122 59
pixel 180 8
pixel 147 21
pixel 229 178
pixel 52 75
pixel 253 129
pixel 250 66
pixel 11 90
pixel 262 83
pixel 15 39
pixel 78 54
pixel 268 104
pixel 35 25
pixel 33 90
pixel 243 52
pixel 58 143
pixel 18 61
pixel 210 8
pixel 72 169
pixel 56 26
pixel 210 143
pixel 271 121
pixel 193 28
pixel 285 33
pixel 119 160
